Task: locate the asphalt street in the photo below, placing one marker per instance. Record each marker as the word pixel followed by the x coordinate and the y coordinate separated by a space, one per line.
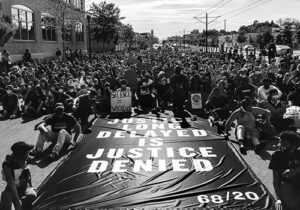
pixel 14 130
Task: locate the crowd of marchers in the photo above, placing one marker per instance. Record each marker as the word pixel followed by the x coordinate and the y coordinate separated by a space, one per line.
pixel 257 97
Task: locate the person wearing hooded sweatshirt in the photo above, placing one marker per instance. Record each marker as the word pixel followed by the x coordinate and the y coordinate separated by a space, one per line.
pixel 180 89
pixel 10 104
pixel 15 172
pixel 163 90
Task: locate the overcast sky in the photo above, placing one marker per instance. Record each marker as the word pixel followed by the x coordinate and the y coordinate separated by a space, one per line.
pixel 171 17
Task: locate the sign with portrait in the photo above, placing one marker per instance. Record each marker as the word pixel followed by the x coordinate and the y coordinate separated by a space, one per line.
pixel 196 100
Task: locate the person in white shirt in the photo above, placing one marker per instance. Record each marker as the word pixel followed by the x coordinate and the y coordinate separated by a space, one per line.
pixel 263 91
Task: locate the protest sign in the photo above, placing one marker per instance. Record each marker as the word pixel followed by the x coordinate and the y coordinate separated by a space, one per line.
pixel 196 100
pixel 146 163
pixel 121 101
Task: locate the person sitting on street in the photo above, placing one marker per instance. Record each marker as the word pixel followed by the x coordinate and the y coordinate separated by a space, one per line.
pixel 62 125
pixel 83 107
pixel 277 109
pixel 163 90
pixel 19 190
pixel 35 104
pixel 60 96
pixel 180 89
pixel 218 106
pixel 244 90
pixel 285 164
pixel 10 104
pixel 263 91
pixel 246 129
pixel 145 97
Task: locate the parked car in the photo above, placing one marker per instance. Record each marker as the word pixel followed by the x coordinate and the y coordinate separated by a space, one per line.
pixel 283 50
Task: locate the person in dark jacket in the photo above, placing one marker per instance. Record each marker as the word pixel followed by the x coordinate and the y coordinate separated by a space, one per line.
pixel 27 56
pixel 84 106
pixel 180 89
pixel 10 104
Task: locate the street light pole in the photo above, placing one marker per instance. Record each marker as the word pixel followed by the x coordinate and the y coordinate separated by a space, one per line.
pixel 90 41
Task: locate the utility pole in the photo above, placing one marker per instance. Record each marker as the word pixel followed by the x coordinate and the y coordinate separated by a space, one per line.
pixel 206 24
pixel 206 33
pixel 225 25
pixel 184 39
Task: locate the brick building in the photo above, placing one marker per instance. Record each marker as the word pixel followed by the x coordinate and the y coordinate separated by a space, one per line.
pixel 36 30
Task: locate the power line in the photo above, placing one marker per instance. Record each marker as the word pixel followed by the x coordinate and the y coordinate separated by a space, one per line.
pixel 225 3
pixel 245 9
pixel 250 9
pixel 217 5
pixel 236 10
pixel 220 2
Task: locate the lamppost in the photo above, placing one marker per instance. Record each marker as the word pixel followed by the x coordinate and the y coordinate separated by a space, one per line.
pixel 90 40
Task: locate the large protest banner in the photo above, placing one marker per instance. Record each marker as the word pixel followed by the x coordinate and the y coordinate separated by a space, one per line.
pixel 121 101
pixel 145 162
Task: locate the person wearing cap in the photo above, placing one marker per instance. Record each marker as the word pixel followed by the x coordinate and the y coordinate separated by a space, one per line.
pixel 62 125
pixel 10 104
pixel 294 97
pixel 15 171
pixel 263 91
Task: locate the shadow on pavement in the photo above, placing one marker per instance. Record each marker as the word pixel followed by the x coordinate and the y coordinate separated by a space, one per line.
pixel 43 161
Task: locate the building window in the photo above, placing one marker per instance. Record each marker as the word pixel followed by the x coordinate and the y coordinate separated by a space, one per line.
pixel 78 4
pixel 48 24
pixel 79 32
pixel 67 31
pixel 22 20
pixel 67 1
